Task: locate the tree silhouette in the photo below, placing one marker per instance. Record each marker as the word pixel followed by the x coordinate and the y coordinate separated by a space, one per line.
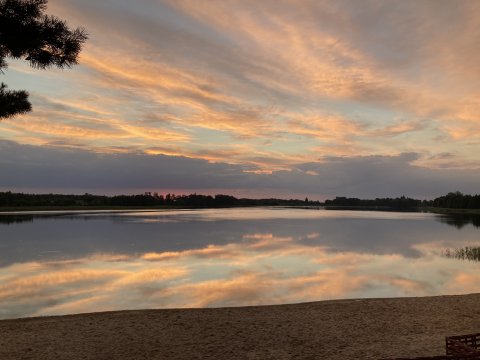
pixel 13 102
pixel 26 32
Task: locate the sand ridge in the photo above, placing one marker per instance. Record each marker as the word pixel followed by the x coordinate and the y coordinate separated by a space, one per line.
pixel 341 329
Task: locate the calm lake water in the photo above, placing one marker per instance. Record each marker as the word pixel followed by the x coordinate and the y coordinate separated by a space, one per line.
pixel 72 263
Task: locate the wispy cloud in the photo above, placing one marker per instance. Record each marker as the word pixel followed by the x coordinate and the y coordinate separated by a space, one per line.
pixel 264 268
pixel 266 85
pixel 46 168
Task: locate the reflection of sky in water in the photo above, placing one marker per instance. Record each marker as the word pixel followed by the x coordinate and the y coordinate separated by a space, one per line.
pixel 225 257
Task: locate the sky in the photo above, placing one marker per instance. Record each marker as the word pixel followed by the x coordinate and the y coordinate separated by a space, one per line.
pixel 254 98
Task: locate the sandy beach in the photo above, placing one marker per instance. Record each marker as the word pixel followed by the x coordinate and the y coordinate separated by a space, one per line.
pixel 341 329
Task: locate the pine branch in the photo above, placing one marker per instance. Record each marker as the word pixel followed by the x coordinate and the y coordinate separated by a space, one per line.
pixel 13 102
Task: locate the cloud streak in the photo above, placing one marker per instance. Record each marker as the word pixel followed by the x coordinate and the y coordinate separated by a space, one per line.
pixel 264 269
pixel 276 85
pixel 38 168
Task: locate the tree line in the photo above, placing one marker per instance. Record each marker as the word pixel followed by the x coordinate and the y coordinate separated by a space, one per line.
pixel 399 203
pixel 453 200
pixel 457 200
pixel 148 199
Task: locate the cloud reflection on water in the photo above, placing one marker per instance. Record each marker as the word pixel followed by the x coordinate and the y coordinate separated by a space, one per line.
pixel 262 268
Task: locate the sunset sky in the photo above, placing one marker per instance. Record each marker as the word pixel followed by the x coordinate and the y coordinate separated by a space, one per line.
pixel 254 98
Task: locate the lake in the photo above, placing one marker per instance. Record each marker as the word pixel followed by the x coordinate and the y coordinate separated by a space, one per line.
pixel 63 263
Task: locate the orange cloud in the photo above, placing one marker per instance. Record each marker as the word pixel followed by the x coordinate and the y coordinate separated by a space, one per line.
pixel 33 285
pixel 262 269
pixel 210 251
pixel 280 82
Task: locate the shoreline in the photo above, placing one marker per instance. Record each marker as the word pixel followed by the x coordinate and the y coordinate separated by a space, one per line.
pixel 85 209
pixel 334 329
pixel 447 211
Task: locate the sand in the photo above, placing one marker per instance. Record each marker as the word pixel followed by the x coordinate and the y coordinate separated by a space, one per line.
pixel 343 329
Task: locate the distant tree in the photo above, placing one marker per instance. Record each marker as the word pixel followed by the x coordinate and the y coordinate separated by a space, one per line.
pixel 26 32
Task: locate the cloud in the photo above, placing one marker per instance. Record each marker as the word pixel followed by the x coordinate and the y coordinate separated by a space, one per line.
pixel 258 268
pixel 211 251
pixel 34 168
pixel 276 85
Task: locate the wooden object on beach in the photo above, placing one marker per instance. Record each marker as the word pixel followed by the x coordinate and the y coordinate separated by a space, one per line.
pixel 442 357
pixel 462 347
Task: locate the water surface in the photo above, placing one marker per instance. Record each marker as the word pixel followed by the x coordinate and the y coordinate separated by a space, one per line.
pixel 74 262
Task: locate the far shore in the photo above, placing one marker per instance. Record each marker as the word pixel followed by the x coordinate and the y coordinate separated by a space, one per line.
pixel 34 209
pixel 338 329
pixel 15 209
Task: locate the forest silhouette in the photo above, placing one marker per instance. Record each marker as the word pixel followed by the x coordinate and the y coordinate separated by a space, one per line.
pixel 453 200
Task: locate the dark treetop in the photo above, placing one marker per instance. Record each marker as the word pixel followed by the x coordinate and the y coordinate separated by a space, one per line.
pixel 26 32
